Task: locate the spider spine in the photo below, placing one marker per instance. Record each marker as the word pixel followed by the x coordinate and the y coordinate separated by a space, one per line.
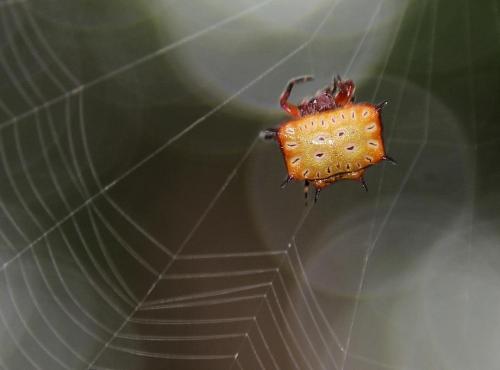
pixel 269 133
pixel 381 105
pixel 286 182
pixel 387 158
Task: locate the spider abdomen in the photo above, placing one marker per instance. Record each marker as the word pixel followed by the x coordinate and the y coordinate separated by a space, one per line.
pixel 334 142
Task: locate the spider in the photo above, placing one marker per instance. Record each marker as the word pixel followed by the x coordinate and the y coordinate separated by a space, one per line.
pixel 330 137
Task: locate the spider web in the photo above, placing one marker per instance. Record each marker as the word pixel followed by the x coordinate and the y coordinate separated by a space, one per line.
pixel 142 224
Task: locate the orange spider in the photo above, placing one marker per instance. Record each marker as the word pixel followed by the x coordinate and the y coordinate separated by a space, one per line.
pixel 331 138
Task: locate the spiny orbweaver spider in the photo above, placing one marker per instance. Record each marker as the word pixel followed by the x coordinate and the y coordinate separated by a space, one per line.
pixel 330 138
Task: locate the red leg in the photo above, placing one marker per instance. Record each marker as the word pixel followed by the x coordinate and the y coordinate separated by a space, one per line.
pixel 290 108
pixel 345 92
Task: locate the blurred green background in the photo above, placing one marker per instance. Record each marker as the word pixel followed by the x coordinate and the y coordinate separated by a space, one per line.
pixel 142 225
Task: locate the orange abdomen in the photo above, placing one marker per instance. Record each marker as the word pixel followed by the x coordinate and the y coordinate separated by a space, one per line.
pixel 333 142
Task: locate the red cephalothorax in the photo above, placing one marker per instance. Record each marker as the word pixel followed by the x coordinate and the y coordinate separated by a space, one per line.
pixel 331 138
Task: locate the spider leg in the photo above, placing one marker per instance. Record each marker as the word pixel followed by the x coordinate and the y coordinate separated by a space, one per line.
pixel 306 190
pixel 287 181
pixel 363 183
pixel 268 133
pixel 316 195
pixel 334 84
pixel 290 108
pixel 345 93
pixel 387 158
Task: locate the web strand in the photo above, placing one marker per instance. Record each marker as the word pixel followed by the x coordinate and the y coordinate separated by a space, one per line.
pixel 131 170
pixel 264 315
pixel 80 87
pixel 405 179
